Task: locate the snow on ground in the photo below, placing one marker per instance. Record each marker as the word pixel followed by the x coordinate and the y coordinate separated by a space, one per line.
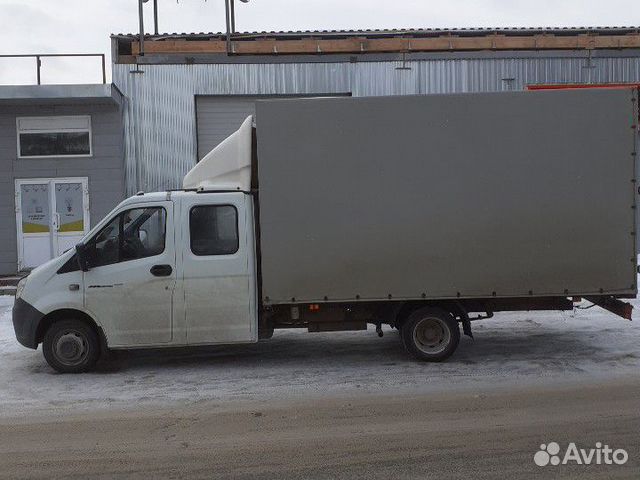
pixel 510 349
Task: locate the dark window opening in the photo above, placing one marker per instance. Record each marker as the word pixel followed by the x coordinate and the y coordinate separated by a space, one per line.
pixel 54 144
pixel 214 230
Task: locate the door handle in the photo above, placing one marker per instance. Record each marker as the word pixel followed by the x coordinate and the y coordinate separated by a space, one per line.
pixel 56 221
pixel 161 270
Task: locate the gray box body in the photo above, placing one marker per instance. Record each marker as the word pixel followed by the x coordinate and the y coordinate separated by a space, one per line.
pixel 444 196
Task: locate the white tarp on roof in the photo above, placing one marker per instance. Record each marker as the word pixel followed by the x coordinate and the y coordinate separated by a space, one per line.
pixel 226 167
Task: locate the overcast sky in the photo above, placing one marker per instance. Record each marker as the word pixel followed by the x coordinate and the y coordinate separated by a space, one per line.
pixel 66 26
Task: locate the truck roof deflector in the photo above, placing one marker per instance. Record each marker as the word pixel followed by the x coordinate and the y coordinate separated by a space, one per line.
pixel 226 167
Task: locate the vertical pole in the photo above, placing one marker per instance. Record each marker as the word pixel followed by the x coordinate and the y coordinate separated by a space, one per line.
pixel 228 20
pixel 38 65
pixel 232 14
pixel 104 69
pixel 141 20
pixel 155 16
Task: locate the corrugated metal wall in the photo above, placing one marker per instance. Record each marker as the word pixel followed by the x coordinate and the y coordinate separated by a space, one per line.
pixel 160 117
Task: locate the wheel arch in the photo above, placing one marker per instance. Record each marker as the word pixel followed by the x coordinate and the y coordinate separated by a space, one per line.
pixel 67 313
pixel 451 306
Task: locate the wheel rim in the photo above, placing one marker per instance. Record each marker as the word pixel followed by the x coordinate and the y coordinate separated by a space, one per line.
pixel 70 348
pixel 431 336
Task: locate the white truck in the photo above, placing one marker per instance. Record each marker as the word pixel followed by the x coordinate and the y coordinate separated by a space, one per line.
pixel 423 213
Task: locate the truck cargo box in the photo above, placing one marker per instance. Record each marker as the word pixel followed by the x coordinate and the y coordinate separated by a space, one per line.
pixel 447 196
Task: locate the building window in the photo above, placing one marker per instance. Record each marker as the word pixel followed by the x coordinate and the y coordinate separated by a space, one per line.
pixel 65 136
pixel 214 230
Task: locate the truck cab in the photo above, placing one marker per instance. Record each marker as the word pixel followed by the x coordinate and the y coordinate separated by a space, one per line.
pixel 169 268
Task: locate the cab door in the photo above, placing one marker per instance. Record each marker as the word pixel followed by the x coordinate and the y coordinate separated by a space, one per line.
pixel 132 275
pixel 218 268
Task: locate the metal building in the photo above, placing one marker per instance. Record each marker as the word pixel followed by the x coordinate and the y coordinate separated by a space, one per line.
pixel 186 92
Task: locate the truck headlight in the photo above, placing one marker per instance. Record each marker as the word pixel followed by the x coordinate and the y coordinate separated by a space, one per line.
pixel 20 287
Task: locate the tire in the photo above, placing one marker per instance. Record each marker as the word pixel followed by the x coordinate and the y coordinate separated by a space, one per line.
pixel 71 346
pixel 430 334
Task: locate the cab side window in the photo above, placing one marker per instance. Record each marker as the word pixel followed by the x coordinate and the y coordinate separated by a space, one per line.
pixel 132 234
pixel 213 230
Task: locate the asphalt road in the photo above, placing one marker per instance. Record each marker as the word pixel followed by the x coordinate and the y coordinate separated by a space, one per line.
pixel 490 434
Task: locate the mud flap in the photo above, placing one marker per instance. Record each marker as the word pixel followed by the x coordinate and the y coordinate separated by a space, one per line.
pixel 465 320
pixel 466 327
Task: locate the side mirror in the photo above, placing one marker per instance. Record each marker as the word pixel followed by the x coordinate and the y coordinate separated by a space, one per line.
pixel 82 253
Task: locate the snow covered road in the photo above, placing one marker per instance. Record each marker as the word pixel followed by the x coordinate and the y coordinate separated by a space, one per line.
pixel 510 349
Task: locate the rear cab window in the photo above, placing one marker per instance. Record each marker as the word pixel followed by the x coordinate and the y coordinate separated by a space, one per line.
pixel 213 230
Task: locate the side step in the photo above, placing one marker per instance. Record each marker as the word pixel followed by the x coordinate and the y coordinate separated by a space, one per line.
pixel 9 283
pixel 8 290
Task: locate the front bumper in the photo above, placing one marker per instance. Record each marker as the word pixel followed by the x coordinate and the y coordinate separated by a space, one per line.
pixel 25 322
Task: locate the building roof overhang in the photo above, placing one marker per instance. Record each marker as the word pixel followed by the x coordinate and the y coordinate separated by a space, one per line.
pixel 82 94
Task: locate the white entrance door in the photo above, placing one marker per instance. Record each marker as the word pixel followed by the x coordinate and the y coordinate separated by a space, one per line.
pixel 52 215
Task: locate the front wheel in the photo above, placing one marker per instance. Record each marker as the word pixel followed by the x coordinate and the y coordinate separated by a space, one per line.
pixel 430 334
pixel 71 346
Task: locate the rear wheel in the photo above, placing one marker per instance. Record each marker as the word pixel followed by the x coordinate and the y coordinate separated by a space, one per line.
pixel 430 334
pixel 71 346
